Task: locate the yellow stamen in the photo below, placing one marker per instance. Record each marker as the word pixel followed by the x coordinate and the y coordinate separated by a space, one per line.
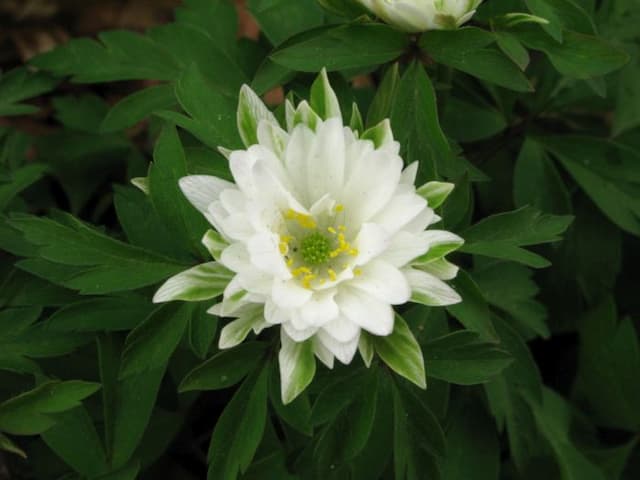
pixel 290 262
pixel 357 271
pixel 332 230
pixel 339 207
pixel 284 248
pixel 306 281
pixel 342 228
pixel 332 274
pixel 300 271
pixel 353 252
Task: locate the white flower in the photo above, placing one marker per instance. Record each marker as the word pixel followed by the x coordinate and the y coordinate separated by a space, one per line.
pixel 422 15
pixel 322 233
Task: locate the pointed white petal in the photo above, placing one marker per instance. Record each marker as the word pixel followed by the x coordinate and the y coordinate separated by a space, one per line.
pixel 203 190
pixel 384 282
pixel 429 290
pixel 297 367
pixel 366 311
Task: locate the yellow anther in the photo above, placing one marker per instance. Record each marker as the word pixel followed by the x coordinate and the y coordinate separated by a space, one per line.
pixel 306 281
pixel 353 252
pixel 284 248
pixel 332 230
pixel 300 271
pixel 339 207
pixel 290 214
pixel 332 274
pixel 357 271
pixel 342 228
pixel 290 262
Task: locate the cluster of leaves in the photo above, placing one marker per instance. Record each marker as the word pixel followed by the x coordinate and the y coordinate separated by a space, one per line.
pixel 534 374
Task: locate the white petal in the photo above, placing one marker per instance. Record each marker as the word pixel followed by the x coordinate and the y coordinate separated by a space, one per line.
pixel 400 211
pixel 429 290
pixel 371 241
pixel 301 144
pixel 366 311
pixel 425 218
pixel 322 352
pixel 320 309
pixel 265 254
pixel 384 282
pixel 325 169
pixel 404 247
pixel 299 334
pixel 409 174
pixel 201 282
pixel 342 329
pixel 290 294
pixel 203 190
pixel 235 257
pixel 371 185
pixel 342 351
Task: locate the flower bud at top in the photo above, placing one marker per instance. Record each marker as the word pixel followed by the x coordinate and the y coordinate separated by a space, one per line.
pixel 422 15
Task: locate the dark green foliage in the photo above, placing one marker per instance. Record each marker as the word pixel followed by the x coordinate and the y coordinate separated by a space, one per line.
pixel 535 375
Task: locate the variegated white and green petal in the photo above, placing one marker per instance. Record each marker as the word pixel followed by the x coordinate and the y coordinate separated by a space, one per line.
pixel 441 243
pixel 214 243
pixel 201 282
pixel 356 123
pixel 297 367
pixel 323 99
pixel 366 348
pixel 429 290
pixel 236 331
pixel 141 183
pixel 402 353
pixel 251 111
pixel 305 115
pixel 380 135
pixel 435 193
pixel 440 268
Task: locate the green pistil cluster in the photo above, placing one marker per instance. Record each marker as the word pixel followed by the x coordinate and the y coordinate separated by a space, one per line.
pixel 315 249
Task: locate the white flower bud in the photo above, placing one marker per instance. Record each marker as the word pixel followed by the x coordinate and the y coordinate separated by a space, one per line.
pixel 421 15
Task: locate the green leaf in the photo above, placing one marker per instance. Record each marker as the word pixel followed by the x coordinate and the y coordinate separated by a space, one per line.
pixel 473 312
pixel 151 344
pixel 90 261
pixel 562 15
pixel 137 106
pixel 579 55
pixel 609 358
pixel 342 47
pixel 100 314
pixel 401 352
pixel 475 451
pixel 239 429
pixel 553 417
pixel 199 99
pixel 503 235
pixel 225 368
pixel 34 412
pixel 201 331
pixel 414 119
pixel 75 428
pixel 510 288
pixel 83 113
pixel 469 50
pixel 281 19
pixel 605 171
pixel 20 84
pixel 297 367
pixel 19 180
pixel 462 358
pixel 169 166
pixel 537 182
pixel 469 122
pixel 382 103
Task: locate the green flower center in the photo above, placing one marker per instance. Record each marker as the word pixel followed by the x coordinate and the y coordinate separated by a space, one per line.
pixel 315 249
